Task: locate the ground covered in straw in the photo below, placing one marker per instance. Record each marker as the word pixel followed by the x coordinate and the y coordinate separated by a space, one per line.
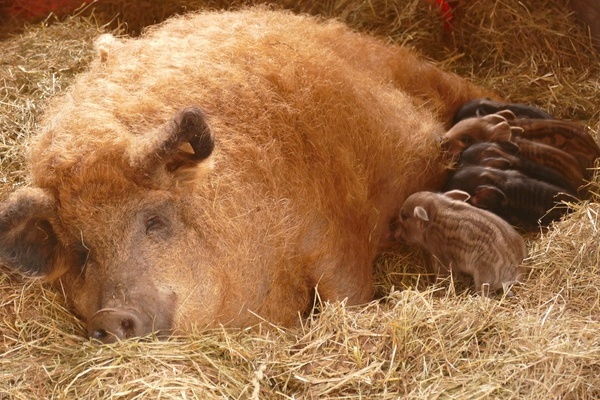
pixel 418 341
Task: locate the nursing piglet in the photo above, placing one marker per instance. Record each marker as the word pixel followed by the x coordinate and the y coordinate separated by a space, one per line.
pixel 485 106
pixel 561 145
pixel 462 238
pixel 506 156
pixel 519 199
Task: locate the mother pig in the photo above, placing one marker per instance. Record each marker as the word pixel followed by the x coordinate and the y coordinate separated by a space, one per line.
pixel 224 167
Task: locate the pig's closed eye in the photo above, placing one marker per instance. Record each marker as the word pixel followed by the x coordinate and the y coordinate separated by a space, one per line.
pixel 154 223
pixel 466 140
pixel 81 255
pixel 403 215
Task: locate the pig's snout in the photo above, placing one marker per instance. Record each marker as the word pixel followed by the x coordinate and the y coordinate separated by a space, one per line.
pixel 451 148
pixel 444 144
pixel 109 325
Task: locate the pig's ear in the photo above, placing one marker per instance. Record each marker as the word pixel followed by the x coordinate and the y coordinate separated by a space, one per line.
pixel 28 242
pixel 459 195
pixel 506 114
pixel 488 197
pixel 501 132
pixel 104 45
pixel 497 162
pixel 516 131
pixel 421 213
pixel 181 145
pixel 509 147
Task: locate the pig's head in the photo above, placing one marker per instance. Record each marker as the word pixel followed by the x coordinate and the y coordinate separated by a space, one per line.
pixel 420 210
pixel 413 219
pixel 499 155
pixel 493 127
pixel 109 233
pixel 470 177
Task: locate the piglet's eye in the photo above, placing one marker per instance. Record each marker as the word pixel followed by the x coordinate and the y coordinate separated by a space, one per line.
pixel 154 223
pixel 403 215
pixel 467 140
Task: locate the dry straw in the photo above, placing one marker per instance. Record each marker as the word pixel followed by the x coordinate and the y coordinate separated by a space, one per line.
pixel 417 341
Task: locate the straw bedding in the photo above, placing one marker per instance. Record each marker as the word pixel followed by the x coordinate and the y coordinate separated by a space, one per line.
pixel 417 340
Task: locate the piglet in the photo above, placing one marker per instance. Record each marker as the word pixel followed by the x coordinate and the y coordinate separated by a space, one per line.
pixel 506 156
pixel 485 106
pixel 521 200
pixel 463 238
pixel 553 144
pixel 567 136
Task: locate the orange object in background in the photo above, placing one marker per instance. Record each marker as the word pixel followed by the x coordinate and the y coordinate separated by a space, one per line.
pixel 36 9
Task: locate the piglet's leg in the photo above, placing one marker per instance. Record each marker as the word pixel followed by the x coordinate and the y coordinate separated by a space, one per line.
pixel 437 269
pixel 485 282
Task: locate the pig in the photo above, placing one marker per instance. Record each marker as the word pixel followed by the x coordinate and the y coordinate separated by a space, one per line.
pixel 523 201
pixel 482 107
pixel 556 159
pixel 533 124
pixel 223 169
pixel 568 136
pixel 493 127
pixel 505 155
pixel 463 239
pixel 562 145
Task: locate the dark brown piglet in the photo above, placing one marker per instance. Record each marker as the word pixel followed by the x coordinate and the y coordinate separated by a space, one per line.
pixel 570 137
pixel 523 201
pixel 506 155
pixel 553 158
pixel 482 107
pixel 567 136
pixel 500 128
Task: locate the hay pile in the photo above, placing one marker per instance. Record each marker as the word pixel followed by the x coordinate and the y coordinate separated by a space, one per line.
pixel 418 341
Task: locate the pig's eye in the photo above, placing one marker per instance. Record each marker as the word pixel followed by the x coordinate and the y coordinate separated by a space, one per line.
pixel 154 223
pixel 81 255
pixel 403 215
pixel 466 140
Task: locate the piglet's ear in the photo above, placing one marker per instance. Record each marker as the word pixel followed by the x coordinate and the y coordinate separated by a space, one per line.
pixel 28 242
pixel 488 197
pixel 183 143
pixel 506 114
pixel 421 213
pixel 497 162
pixel 459 195
pixel 509 147
pixel 501 132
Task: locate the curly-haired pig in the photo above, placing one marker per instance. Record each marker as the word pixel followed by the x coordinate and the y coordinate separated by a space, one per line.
pixel 462 238
pixel 223 167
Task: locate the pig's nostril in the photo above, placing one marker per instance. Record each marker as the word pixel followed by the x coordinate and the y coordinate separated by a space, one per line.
pixel 128 327
pixel 110 325
pixel 99 334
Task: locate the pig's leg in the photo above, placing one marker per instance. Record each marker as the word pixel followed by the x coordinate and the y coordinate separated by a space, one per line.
pixel 485 281
pixel 439 271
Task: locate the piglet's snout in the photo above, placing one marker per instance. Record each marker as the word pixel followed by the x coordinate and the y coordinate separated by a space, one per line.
pixel 109 325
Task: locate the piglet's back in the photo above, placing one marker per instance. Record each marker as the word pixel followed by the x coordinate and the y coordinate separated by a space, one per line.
pixel 459 228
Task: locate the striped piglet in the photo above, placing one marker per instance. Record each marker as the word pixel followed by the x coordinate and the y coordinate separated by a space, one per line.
pixel 462 238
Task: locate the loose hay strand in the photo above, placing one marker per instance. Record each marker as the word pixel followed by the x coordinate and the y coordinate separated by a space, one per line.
pixel 418 341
